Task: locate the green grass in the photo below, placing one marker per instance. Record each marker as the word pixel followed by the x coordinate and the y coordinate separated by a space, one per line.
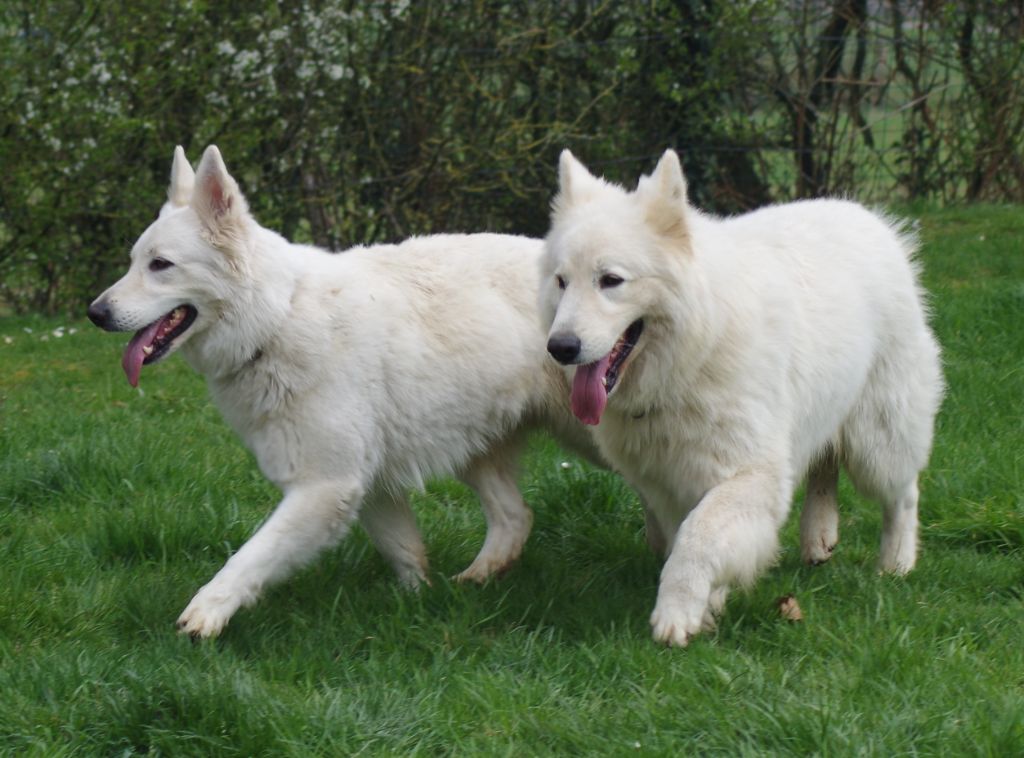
pixel 116 505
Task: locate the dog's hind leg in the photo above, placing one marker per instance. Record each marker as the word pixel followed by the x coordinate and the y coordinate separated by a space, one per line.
pixel 509 519
pixel 887 439
pixel 899 531
pixel 391 526
pixel 819 520
pixel 312 517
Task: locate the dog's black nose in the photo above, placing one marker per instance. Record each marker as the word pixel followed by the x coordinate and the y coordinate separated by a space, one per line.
pixel 564 348
pixel 99 314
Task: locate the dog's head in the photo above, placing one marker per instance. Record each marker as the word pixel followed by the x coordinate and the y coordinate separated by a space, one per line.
pixel 612 262
pixel 183 265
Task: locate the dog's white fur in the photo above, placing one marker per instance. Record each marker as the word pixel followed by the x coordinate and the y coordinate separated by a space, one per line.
pixel 351 377
pixel 777 344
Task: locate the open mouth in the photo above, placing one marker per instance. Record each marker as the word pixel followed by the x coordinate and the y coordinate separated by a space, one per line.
pixel 593 382
pixel 155 341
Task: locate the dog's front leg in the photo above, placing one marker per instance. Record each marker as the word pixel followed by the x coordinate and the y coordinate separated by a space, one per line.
pixel 730 537
pixel 310 518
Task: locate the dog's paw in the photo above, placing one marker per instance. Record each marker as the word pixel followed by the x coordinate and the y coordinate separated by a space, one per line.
pixel 473 573
pixel 819 531
pixel 412 576
pixel 495 558
pixel 817 552
pixel 480 571
pixel 671 631
pixel 207 614
pixel 680 616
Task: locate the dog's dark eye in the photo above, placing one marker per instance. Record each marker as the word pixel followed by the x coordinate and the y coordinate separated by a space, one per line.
pixel 159 264
pixel 561 282
pixel 610 280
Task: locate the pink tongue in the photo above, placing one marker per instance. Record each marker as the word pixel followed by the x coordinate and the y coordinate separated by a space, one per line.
pixel 589 397
pixel 133 355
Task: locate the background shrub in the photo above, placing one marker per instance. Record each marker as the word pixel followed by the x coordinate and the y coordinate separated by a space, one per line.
pixel 353 122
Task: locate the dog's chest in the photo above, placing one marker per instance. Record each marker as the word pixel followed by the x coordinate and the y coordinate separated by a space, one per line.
pixel 681 453
pixel 257 402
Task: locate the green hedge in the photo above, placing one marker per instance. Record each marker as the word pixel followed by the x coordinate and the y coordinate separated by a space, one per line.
pixel 352 122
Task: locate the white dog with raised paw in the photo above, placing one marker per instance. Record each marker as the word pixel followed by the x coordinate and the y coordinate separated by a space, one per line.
pixel 720 361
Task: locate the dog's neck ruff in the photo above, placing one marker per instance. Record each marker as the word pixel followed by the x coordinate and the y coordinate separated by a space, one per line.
pixel 245 329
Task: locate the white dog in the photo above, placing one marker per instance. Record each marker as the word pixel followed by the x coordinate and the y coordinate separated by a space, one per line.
pixel 722 360
pixel 351 377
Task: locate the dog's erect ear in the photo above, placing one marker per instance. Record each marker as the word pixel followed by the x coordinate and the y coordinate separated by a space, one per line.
pixel 575 183
pixel 668 177
pixel 183 179
pixel 570 173
pixel 663 194
pixel 218 202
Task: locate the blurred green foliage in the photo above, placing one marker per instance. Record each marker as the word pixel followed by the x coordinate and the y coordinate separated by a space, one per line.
pixel 350 122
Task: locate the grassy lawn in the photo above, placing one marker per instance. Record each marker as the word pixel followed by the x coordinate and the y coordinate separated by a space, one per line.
pixel 117 504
